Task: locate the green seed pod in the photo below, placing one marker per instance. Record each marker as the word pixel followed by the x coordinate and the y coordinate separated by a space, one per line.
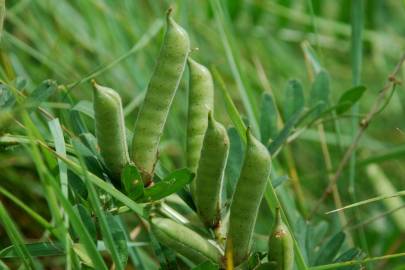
pixel 208 181
pixel 161 90
pixel 184 241
pixel 200 102
pixel 110 129
pixel 281 246
pixel 247 197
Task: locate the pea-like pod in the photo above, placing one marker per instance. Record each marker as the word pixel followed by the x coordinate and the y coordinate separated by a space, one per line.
pixel 184 241
pixel 161 90
pixel 208 181
pixel 281 246
pixel 200 102
pixel 110 129
pixel 247 197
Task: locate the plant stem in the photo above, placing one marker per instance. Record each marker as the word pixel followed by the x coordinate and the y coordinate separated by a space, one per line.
pixel 391 82
pixel 356 262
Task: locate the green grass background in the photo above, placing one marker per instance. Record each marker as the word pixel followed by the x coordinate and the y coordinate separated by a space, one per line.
pixel 70 40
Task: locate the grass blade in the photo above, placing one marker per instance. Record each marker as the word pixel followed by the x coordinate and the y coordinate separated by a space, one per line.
pixel 16 239
pixel 101 217
pixel 230 107
pixel 383 186
pixel 110 189
pixel 79 227
pixel 27 209
pixel 248 100
pixel 368 201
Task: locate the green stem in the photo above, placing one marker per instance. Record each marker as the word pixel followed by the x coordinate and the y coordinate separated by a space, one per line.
pixel 356 262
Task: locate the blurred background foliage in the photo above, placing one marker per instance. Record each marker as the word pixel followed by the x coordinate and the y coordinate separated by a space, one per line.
pixel 67 40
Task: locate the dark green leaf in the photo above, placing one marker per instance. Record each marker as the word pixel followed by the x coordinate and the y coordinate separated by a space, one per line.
pixel 20 83
pixel 320 92
pixel 42 92
pixel 169 185
pixel 166 257
pixel 88 222
pixel 234 163
pixel 85 107
pixel 91 159
pixel 132 181
pixel 91 142
pixel 77 123
pixel 255 259
pixel 349 98
pixel 7 98
pixel 330 249
pixel 300 232
pixel 284 133
pixel 119 238
pixel 293 99
pixel 315 233
pixel 36 249
pixel 77 184
pixel 349 255
pixel 279 180
pixel 268 118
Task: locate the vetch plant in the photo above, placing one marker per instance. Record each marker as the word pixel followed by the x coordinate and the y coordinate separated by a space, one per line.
pixel 110 129
pixel 185 241
pixel 210 173
pixel 247 197
pixel 161 90
pixel 200 102
pixel 208 200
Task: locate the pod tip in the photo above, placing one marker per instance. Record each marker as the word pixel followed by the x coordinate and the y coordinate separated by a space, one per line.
pixel 248 133
pixel 210 116
pixel 93 83
pixel 169 12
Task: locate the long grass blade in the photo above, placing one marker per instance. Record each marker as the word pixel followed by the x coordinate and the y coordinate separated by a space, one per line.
pixel 16 239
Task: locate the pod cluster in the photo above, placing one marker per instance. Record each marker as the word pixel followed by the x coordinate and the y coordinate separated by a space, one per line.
pixel 207 152
pixel 110 128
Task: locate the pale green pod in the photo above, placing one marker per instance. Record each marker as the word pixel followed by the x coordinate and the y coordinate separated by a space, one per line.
pixel 211 167
pixel 184 241
pixel 247 197
pixel 281 245
pixel 161 90
pixel 200 102
pixel 110 129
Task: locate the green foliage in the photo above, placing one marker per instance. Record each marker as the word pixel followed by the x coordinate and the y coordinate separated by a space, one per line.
pixel 349 98
pixel 71 197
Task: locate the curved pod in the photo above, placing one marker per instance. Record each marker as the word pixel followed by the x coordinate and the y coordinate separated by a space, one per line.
pixel 200 102
pixel 161 90
pixel 247 197
pixel 281 246
pixel 110 129
pixel 210 172
pixel 184 241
